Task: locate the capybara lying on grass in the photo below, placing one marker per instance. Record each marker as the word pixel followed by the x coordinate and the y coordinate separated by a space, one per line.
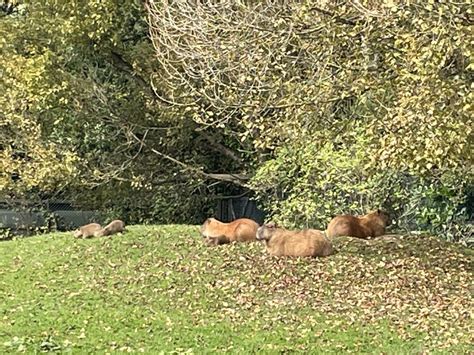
pixel 113 227
pixel 87 231
pixel 282 242
pixel 240 230
pixel 368 226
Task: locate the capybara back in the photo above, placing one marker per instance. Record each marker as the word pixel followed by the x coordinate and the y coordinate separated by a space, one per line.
pixel 114 227
pixel 240 230
pixel 370 225
pixel 282 242
pixel 87 230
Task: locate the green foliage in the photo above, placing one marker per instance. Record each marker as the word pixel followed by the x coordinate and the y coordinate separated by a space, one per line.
pixel 330 106
pixel 166 203
pixel 160 288
pixel 79 113
pixel 307 185
pixel 401 67
pixel 26 88
pixel 436 205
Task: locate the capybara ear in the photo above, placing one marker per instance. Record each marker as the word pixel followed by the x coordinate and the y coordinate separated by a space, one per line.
pixel 270 225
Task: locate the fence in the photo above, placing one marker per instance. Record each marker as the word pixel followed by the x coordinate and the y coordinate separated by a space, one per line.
pixel 242 207
pixel 23 217
pixel 27 216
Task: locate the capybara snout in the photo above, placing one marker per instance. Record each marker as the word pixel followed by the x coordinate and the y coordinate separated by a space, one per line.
pixel 266 231
pixel 385 217
pixel 202 229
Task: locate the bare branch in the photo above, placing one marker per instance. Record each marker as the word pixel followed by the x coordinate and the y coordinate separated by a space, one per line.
pixel 220 148
pixel 127 68
pixel 237 179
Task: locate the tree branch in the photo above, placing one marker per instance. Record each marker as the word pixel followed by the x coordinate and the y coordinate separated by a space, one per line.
pixel 120 63
pixel 220 148
pixel 336 17
pixel 237 179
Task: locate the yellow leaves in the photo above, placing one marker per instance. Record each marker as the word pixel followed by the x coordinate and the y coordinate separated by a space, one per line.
pixel 34 162
pixel 467 108
pixel 82 334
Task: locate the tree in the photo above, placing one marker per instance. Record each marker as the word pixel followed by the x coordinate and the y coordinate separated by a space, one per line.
pixel 382 86
pixel 80 115
pixel 320 107
pixel 26 160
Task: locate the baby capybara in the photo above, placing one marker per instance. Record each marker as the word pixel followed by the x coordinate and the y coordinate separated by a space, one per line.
pixel 113 227
pixel 368 226
pixel 87 231
pixel 282 242
pixel 240 230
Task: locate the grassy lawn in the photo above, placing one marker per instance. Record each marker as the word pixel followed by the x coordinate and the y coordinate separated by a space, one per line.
pixel 159 288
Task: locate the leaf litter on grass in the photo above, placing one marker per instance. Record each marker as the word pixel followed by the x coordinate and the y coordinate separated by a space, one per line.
pixel 415 286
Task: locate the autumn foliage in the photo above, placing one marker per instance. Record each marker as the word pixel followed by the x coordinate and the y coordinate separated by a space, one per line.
pixel 318 107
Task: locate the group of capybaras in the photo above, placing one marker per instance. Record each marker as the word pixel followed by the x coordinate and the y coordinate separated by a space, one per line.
pixel 96 230
pixel 307 242
pixel 279 241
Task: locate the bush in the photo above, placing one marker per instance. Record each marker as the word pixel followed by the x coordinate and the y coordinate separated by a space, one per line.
pixel 306 185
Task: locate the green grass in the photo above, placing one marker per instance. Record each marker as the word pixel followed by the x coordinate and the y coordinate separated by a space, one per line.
pixel 160 288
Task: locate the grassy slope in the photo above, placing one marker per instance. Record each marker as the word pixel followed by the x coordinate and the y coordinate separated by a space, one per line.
pixel 160 288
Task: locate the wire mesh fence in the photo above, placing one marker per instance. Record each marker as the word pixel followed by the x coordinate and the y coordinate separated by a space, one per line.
pixel 36 214
pixel 23 216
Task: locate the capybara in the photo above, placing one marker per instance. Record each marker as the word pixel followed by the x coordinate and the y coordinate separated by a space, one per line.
pixel 368 226
pixel 282 242
pixel 240 230
pixel 116 226
pixel 87 231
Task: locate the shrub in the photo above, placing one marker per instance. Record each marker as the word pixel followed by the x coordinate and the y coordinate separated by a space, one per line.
pixel 306 185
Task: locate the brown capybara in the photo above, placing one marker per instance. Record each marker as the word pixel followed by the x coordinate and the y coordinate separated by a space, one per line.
pixel 282 242
pixel 87 231
pixel 368 226
pixel 240 230
pixel 114 227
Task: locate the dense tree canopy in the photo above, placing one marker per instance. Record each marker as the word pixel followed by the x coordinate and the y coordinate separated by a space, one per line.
pixel 275 71
pixel 319 107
